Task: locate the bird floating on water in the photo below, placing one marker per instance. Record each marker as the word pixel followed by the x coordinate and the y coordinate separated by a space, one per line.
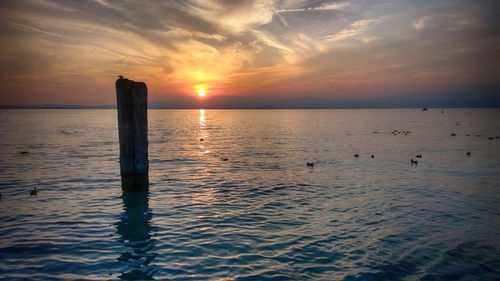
pixel 310 164
pixel 356 155
pixel 468 153
pixel 418 155
pixel 34 191
pixel 373 156
pixel 413 162
pixel 224 159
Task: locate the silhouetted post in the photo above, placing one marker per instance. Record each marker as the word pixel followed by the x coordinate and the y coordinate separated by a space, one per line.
pixel 132 101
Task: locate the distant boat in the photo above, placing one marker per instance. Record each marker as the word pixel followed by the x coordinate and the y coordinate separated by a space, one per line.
pixel 310 164
pixel 424 109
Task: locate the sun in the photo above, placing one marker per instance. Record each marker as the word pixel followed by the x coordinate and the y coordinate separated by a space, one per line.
pixel 201 92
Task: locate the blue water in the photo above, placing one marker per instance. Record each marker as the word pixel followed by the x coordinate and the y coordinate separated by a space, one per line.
pixel 263 214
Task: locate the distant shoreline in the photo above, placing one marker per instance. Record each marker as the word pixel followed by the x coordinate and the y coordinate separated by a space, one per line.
pixel 461 98
pixel 228 108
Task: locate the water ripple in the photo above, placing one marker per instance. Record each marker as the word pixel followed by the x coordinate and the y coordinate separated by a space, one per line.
pixel 260 215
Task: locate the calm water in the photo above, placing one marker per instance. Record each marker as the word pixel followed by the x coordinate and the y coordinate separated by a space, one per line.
pixel 262 215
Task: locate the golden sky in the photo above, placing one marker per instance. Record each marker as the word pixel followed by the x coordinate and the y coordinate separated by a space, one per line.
pixel 70 52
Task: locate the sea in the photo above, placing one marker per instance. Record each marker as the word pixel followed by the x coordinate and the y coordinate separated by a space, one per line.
pixel 262 214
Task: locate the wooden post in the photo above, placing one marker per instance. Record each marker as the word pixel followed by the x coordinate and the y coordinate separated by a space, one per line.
pixel 132 102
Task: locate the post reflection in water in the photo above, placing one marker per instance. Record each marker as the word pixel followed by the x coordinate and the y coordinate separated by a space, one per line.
pixel 135 231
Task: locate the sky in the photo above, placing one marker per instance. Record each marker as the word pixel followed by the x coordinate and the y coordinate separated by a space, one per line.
pixel 71 52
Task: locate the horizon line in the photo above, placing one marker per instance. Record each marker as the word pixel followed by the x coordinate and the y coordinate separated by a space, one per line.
pixel 113 106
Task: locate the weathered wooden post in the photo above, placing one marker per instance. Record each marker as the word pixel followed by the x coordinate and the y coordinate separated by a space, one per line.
pixel 132 102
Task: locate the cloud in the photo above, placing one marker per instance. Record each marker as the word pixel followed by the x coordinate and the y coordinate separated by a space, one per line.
pixel 31 28
pixel 421 23
pixel 236 15
pixel 242 47
pixel 355 29
pixel 323 7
